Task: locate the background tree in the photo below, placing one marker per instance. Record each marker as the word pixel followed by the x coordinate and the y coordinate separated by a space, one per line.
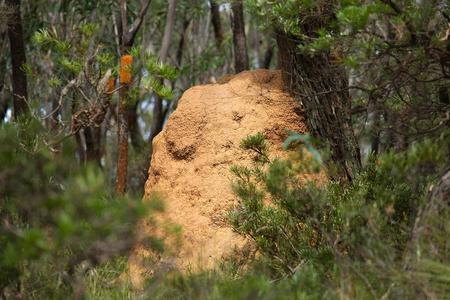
pixel 159 112
pixel 217 24
pixel 18 59
pixel 322 88
pixel 128 37
pixel 239 39
pixel 346 63
pixel 4 100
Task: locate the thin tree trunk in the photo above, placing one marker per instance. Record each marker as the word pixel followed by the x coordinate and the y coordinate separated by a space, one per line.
pixel 158 118
pixel 401 142
pixel 375 130
pixel 322 89
pixel 19 78
pixel 390 135
pixel 53 120
pixel 89 142
pixel 98 142
pixel 4 105
pixel 135 132
pixel 122 134
pixel 128 36
pixel 4 101
pixel 168 30
pixel 239 39
pixel 75 130
pixel 217 24
pixel 158 109
pixel 268 56
pixel 179 56
pixel 63 11
pixel 80 148
pixel 98 130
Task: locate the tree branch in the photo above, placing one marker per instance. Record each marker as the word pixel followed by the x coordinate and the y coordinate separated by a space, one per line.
pixel 129 35
pixel 123 17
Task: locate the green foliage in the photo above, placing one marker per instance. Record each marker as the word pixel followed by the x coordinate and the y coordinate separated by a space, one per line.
pixel 281 14
pixel 217 285
pixel 154 73
pixel 62 231
pixel 58 219
pixel 258 144
pixel 358 232
pixel 89 29
pixel 76 58
pixel 378 42
pixel 295 137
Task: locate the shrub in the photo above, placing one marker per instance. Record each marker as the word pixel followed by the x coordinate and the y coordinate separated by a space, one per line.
pixel 353 238
pixel 58 220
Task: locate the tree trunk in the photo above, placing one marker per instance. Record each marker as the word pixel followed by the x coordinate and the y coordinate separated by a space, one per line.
pixel 135 132
pixel 122 134
pixel 158 109
pixel 122 123
pixel 4 105
pixel 19 78
pixel 128 36
pixel 268 56
pixel 239 39
pixel 322 89
pixel 217 24
pixel 90 145
pixel 375 134
pixel 4 100
pixel 98 141
pixel 179 56
pixel 80 148
pixel 97 127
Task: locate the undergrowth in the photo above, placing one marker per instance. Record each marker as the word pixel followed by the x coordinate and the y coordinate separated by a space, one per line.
pixel 64 233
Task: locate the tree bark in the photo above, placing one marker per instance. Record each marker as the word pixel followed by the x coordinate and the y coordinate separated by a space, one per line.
pixel 179 56
pixel 19 78
pixel 90 144
pixel 4 105
pixel 375 134
pixel 4 101
pixel 322 89
pixel 135 132
pixel 217 24
pixel 239 39
pixel 128 36
pixel 268 55
pixel 122 134
pixel 158 109
pixel 79 147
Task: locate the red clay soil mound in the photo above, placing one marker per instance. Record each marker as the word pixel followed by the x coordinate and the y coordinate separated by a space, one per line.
pixel 191 162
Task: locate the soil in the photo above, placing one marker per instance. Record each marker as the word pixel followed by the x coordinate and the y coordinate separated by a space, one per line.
pixel 191 164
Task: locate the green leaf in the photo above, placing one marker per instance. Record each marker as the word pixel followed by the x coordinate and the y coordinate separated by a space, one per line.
pixel 295 137
pixel 89 29
pixel 135 51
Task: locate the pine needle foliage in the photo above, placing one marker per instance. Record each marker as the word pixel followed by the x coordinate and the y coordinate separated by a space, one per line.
pixel 352 238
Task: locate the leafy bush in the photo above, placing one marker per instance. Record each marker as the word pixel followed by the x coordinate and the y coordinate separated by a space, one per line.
pixel 64 233
pixel 58 220
pixel 353 237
